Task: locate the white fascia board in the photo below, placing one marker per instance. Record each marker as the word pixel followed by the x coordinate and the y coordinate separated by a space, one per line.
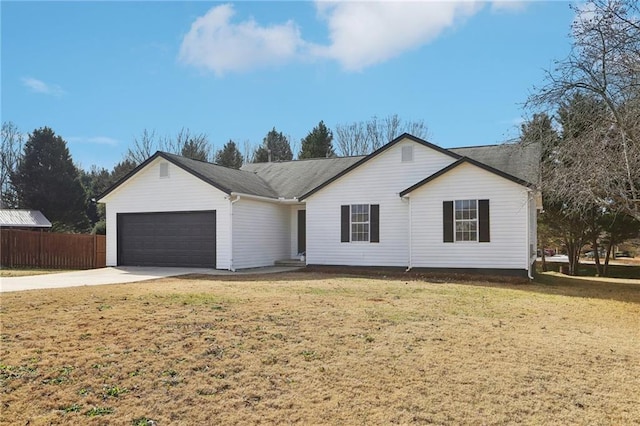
pixel 266 199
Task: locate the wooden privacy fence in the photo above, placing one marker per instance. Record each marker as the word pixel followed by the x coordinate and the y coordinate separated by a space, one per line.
pixel 38 249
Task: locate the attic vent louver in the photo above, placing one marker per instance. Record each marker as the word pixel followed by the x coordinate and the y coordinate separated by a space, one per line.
pixel 164 170
pixel 407 153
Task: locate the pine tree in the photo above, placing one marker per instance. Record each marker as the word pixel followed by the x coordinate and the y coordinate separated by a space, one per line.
pixel 47 180
pixel 318 143
pixel 196 149
pixel 121 169
pixel 274 145
pixel 229 156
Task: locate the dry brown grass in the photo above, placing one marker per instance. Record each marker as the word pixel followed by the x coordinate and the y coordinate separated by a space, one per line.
pixel 322 349
pixel 10 272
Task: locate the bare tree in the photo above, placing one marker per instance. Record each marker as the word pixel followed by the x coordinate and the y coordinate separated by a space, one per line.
pixel 185 143
pixel 605 64
pixel 361 138
pixel 352 139
pixel 10 154
pixel 248 149
pixel 143 147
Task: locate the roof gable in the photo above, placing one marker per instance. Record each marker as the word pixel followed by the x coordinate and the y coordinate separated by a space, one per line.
pixel 375 154
pixel 223 178
pixel 464 160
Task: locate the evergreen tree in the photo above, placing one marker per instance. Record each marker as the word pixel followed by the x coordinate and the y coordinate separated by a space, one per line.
pixel 95 182
pixel 47 180
pixel 229 156
pixel 121 169
pixel 318 143
pixel 274 145
pixel 196 149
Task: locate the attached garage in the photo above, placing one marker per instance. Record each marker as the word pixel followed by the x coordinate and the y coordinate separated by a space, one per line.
pixel 167 239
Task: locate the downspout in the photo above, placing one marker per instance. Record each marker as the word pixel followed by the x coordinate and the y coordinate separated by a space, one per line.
pixel 231 268
pixel 410 237
pixel 529 268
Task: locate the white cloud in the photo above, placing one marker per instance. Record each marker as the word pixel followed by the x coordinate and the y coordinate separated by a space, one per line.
pixel 361 33
pixel 366 33
pixel 509 5
pixel 214 43
pixel 99 140
pixel 39 86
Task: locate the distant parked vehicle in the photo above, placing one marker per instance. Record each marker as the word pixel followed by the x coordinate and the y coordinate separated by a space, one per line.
pixel 547 252
pixel 591 254
pixel 623 254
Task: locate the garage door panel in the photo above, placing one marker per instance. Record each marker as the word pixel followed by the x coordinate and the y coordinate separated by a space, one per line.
pixel 167 239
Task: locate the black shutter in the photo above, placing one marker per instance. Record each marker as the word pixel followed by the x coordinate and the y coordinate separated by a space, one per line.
pixel 345 232
pixel 483 221
pixel 374 220
pixel 447 221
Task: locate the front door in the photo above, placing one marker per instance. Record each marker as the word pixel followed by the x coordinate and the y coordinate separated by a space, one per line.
pixel 302 231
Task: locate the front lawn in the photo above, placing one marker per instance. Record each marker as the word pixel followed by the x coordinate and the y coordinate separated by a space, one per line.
pixel 23 272
pixel 312 348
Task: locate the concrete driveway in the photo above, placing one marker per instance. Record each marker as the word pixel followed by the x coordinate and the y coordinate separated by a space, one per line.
pixel 115 275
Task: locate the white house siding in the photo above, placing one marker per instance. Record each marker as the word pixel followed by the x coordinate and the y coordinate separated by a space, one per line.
pixel 294 229
pixel 146 192
pixel 508 218
pixel 378 181
pixel 261 233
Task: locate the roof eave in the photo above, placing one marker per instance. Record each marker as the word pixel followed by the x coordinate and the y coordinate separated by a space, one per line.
pixel 148 161
pixel 463 160
pixel 376 153
pixel 279 200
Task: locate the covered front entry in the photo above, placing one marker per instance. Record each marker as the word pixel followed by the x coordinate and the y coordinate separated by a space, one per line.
pixel 167 239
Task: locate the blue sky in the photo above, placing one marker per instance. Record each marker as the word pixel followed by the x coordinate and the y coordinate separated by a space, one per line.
pixel 99 73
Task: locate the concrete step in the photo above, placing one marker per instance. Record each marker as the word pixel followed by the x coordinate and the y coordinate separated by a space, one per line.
pixel 290 262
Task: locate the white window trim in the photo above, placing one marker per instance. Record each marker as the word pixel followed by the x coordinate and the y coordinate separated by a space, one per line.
pixel 368 223
pixel 456 221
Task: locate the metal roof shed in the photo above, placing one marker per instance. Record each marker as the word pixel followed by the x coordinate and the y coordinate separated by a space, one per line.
pixel 14 218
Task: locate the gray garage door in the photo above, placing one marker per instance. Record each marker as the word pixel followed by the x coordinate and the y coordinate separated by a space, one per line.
pixel 167 239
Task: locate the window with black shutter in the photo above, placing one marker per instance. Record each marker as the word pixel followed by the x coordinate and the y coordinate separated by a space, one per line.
pixel 465 220
pixel 360 223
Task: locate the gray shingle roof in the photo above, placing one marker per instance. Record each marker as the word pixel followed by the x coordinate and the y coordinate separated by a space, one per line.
pixel 294 178
pixel 514 159
pixel 224 178
pixel 23 219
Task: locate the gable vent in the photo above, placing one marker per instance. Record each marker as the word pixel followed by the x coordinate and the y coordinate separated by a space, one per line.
pixel 407 153
pixel 164 170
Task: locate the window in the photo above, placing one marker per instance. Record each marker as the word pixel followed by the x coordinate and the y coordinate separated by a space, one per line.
pixel 407 153
pixel 360 223
pixel 466 220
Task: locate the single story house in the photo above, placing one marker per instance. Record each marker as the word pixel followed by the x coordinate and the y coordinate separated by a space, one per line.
pixel 409 204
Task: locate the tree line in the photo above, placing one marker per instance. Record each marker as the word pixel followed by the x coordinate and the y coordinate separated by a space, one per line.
pixel 587 122
pixel 37 171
